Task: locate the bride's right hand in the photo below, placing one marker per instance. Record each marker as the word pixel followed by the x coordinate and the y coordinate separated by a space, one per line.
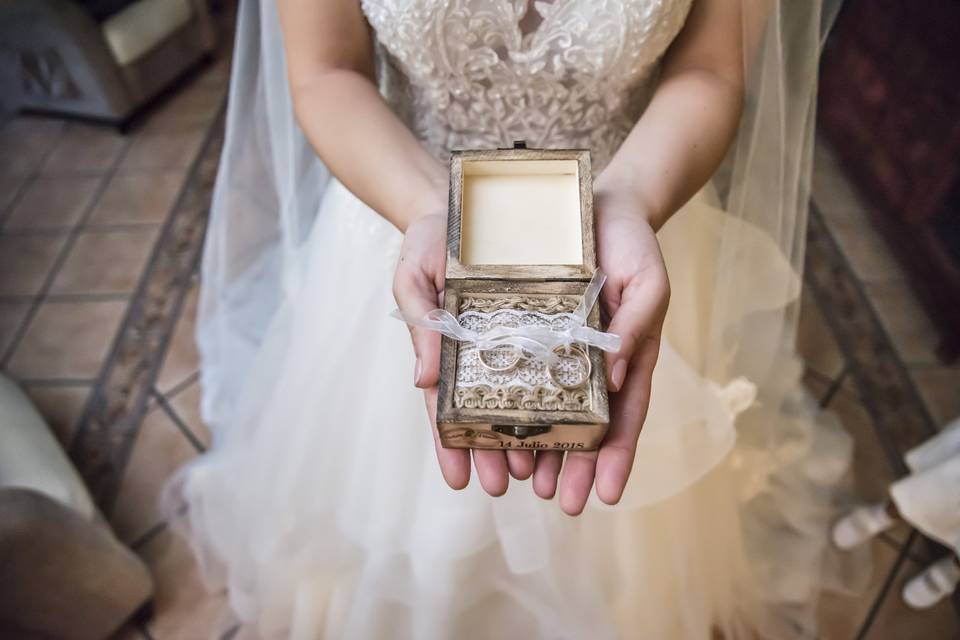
pixel 418 287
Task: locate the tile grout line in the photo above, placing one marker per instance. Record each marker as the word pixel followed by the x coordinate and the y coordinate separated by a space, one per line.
pixel 902 557
pixel 29 179
pixel 180 386
pixel 896 545
pixel 835 385
pixel 61 258
pixel 57 382
pixel 84 227
pixel 144 538
pixel 113 296
pixel 69 297
pixel 178 421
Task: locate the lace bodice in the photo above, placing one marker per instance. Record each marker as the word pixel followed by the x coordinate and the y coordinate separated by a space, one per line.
pixel 483 73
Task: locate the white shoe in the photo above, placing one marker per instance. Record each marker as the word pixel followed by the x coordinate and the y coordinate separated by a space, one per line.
pixel 860 525
pixel 933 585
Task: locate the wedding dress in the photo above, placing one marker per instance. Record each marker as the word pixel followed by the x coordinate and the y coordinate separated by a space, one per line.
pixel 321 507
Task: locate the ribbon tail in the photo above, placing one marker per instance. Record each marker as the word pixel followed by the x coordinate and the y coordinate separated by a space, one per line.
pixel 590 296
pixel 439 320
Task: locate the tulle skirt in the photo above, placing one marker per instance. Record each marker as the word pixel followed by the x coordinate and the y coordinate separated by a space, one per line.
pixel 321 507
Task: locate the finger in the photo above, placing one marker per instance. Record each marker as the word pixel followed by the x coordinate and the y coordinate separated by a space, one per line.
pixel 642 305
pixel 492 471
pixel 454 463
pixel 545 473
pixel 416 294
pixel 629 410
pixel 576 481
pixel 520 464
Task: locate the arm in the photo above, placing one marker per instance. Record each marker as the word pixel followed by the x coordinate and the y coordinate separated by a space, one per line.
pixel 330 69
pixel 669 155
pixel 689 124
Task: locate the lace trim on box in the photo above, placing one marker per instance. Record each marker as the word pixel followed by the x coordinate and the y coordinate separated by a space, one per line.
pixel 527 386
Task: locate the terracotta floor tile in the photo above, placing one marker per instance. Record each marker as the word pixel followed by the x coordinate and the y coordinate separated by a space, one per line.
pixel 53 203
pixel 872 471
pixel 832 191
pixel 186 403
pixel 217 74
pixel 61 406
pixel 25 262
pixel 181 359
pixel 159 449
pixel 161 151
pixel 67 340
pixel 815 340
pixel 11 317
pixel 897 621
pixel 183 608
pixel 128 632
pixel 246 632
pixel 9 188
pixel 863 247
pixel 840 615
pixel 25 141
pixel 904 321
pixel 85 149
pixel 191 109
pixel 816 384
pixel 940 389
pixel 105 262
pixel 132 199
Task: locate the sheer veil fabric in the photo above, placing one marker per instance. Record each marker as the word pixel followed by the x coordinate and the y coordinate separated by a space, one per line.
pixel 320 506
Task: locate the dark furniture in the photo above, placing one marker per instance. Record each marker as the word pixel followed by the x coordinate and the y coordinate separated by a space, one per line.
pixel 98 59
pixel 890 106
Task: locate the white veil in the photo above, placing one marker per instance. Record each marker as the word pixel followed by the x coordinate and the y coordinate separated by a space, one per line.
pixel 267 194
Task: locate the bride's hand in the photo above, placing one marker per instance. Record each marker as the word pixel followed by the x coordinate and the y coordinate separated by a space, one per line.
pixel 635 298
pixel 417 287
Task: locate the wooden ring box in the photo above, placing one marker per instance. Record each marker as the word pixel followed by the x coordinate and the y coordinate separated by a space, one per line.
pixel 520 234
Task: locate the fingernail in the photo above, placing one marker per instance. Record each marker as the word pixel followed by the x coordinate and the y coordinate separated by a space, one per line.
pixel 618 374
pixel 417 372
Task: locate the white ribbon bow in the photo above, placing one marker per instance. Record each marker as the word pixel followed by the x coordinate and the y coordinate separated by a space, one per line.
pixel 540 342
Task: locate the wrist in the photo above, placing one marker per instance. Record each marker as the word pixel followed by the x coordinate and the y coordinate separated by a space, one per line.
pixel 616 192
pixel 429 202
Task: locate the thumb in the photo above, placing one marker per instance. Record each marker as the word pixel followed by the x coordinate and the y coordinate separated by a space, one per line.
pixel 642 304
pixel 416 294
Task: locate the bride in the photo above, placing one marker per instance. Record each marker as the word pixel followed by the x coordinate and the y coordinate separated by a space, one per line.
pixel 326 505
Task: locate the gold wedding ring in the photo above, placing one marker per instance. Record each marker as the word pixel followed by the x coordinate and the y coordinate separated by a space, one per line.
pixel 578 353
pixel 500 359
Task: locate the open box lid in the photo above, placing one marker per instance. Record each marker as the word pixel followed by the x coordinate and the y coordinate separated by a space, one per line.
pixel 521 214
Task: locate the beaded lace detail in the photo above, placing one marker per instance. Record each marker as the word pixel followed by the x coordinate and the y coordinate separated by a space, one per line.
pixel 465 74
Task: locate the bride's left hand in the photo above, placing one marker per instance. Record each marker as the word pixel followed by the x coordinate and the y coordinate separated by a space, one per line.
pixel 635 298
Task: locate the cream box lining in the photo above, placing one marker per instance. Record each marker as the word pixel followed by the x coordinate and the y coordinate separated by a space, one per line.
pixel 521 212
